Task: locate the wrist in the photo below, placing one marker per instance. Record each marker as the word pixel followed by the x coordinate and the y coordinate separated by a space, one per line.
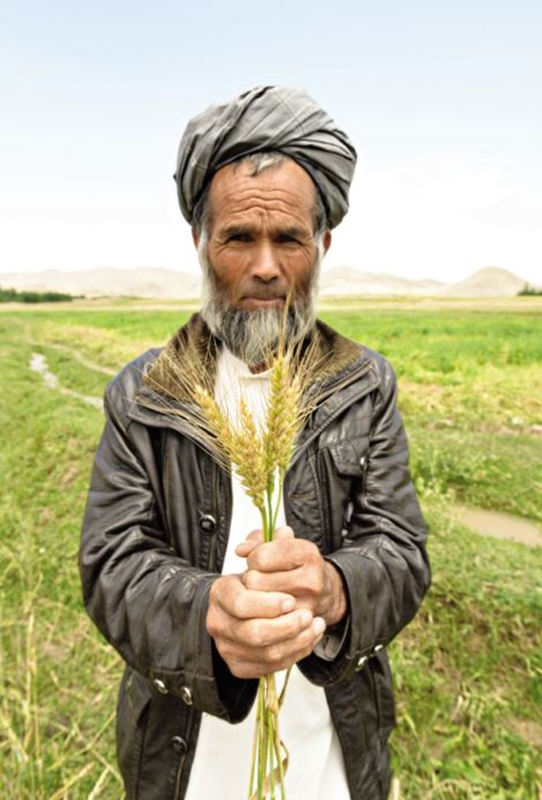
pixel 336 603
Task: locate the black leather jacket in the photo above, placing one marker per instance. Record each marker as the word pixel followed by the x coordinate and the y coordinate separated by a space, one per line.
pixel 154 539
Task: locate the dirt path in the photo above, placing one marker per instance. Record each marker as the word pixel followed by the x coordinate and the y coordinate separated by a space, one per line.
pixel 79 357
pixel 38 363
pixel 500 525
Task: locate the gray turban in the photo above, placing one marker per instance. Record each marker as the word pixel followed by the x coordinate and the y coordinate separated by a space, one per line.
pixel 263 119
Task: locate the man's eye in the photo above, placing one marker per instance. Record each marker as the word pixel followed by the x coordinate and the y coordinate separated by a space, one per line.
pixel 284 238
pixel 239 237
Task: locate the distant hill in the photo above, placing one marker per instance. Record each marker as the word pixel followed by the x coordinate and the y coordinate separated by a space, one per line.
pixel 160 283
pixel 350 281
pixel 487 282
pixel 155 282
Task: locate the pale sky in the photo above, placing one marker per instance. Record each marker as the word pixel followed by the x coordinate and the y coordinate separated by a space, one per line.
pixel 442 101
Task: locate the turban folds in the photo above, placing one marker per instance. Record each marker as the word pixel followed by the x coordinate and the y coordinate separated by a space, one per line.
pixel 263 119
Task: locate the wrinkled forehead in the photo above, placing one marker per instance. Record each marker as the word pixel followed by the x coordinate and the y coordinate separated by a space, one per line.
pixel 285 186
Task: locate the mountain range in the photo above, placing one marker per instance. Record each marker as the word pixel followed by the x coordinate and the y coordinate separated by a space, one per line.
pixel 161 283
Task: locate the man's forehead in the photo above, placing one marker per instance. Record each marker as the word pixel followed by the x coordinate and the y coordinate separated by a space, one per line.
pixel 285 187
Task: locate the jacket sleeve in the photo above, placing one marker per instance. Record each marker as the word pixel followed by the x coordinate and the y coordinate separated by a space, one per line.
pixel 383 560
pixel 149 603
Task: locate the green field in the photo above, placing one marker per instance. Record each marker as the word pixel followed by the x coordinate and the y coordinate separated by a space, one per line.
pixel 468 670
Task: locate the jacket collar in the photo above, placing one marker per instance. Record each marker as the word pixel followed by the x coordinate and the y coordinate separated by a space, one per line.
pixel 346 373
pixel 335 357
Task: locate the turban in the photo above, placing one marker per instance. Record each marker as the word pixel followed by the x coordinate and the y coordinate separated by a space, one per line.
pixel 263 119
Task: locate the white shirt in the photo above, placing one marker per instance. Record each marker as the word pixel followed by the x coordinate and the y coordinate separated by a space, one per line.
pixel 223 752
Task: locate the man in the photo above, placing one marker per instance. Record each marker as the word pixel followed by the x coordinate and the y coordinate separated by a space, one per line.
pixel 174 570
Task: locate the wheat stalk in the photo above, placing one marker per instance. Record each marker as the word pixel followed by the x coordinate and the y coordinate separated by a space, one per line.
pixel 260 455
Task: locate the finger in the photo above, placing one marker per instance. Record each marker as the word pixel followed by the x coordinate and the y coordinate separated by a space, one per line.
pixel 284 554
pixel 302 582
pixel 262 633
pixel 245 548
pixel 235 600
pixel 256 538
pixel 253 540
pixel 253 662
pixel 255 636
pixel 250 638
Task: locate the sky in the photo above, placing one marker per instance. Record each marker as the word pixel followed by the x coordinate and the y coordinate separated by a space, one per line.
pixel 442 101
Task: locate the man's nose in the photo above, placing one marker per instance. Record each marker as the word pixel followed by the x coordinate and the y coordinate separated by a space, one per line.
pixel 265 265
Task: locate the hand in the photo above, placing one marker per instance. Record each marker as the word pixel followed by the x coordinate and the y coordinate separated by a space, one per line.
pixel 259 632
pixel 296 567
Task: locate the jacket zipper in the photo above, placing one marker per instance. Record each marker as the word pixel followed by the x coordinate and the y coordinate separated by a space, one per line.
pixel 211 564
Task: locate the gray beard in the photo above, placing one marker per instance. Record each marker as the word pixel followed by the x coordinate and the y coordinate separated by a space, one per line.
pixel 254 336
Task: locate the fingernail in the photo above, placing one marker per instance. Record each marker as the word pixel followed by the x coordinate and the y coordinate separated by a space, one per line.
pixel 318 626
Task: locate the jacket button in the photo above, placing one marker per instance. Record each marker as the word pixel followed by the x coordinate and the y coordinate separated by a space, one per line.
pixel 377 648
pixel 160 685
pixel 186 695
pixel 362 660
pixel 179 745
pixel 207 523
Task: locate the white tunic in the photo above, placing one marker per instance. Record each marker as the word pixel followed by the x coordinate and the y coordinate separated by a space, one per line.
pixel 222 762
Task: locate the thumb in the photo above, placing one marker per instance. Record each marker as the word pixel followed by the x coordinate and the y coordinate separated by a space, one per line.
pixel 253 540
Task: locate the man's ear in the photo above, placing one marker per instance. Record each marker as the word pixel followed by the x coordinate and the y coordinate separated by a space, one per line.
pixel 327 240
pixel 195 238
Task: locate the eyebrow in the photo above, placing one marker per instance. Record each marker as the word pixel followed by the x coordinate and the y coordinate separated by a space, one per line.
pixel 293 231
pixel 232 230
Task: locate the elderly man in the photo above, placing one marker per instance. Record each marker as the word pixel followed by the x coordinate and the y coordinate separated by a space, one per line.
pixel 174 570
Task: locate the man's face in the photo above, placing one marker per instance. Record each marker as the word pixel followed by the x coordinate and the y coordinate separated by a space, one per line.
pixel 261 243
pixel 261 250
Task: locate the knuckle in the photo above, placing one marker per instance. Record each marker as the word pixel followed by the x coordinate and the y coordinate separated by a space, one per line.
pixel 212 627
pixel 273 654
pixel 238 606
pixel 313 559
pixel 214 592
pixel 314 580
pixel 250 579
pixel 255 634
pixel 239 669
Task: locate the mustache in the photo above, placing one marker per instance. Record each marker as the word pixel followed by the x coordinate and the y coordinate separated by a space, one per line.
pixel 275 290
pixel 263 294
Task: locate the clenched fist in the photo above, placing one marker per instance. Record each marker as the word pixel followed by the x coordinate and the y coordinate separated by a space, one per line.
pixel 273 615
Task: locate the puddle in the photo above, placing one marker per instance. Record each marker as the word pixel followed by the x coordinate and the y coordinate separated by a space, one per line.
pixel 38 363
pixel 499 525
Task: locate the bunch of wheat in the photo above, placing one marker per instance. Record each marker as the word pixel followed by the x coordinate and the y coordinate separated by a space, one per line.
pixel 260 454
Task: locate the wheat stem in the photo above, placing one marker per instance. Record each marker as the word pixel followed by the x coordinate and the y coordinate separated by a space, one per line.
pixel 260 456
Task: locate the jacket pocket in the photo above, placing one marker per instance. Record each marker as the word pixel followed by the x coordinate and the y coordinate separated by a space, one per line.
pixel 132 713
pixel 344 478
pixel 349 456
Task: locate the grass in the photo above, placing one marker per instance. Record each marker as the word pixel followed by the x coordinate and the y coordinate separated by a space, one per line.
pixel 468 669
